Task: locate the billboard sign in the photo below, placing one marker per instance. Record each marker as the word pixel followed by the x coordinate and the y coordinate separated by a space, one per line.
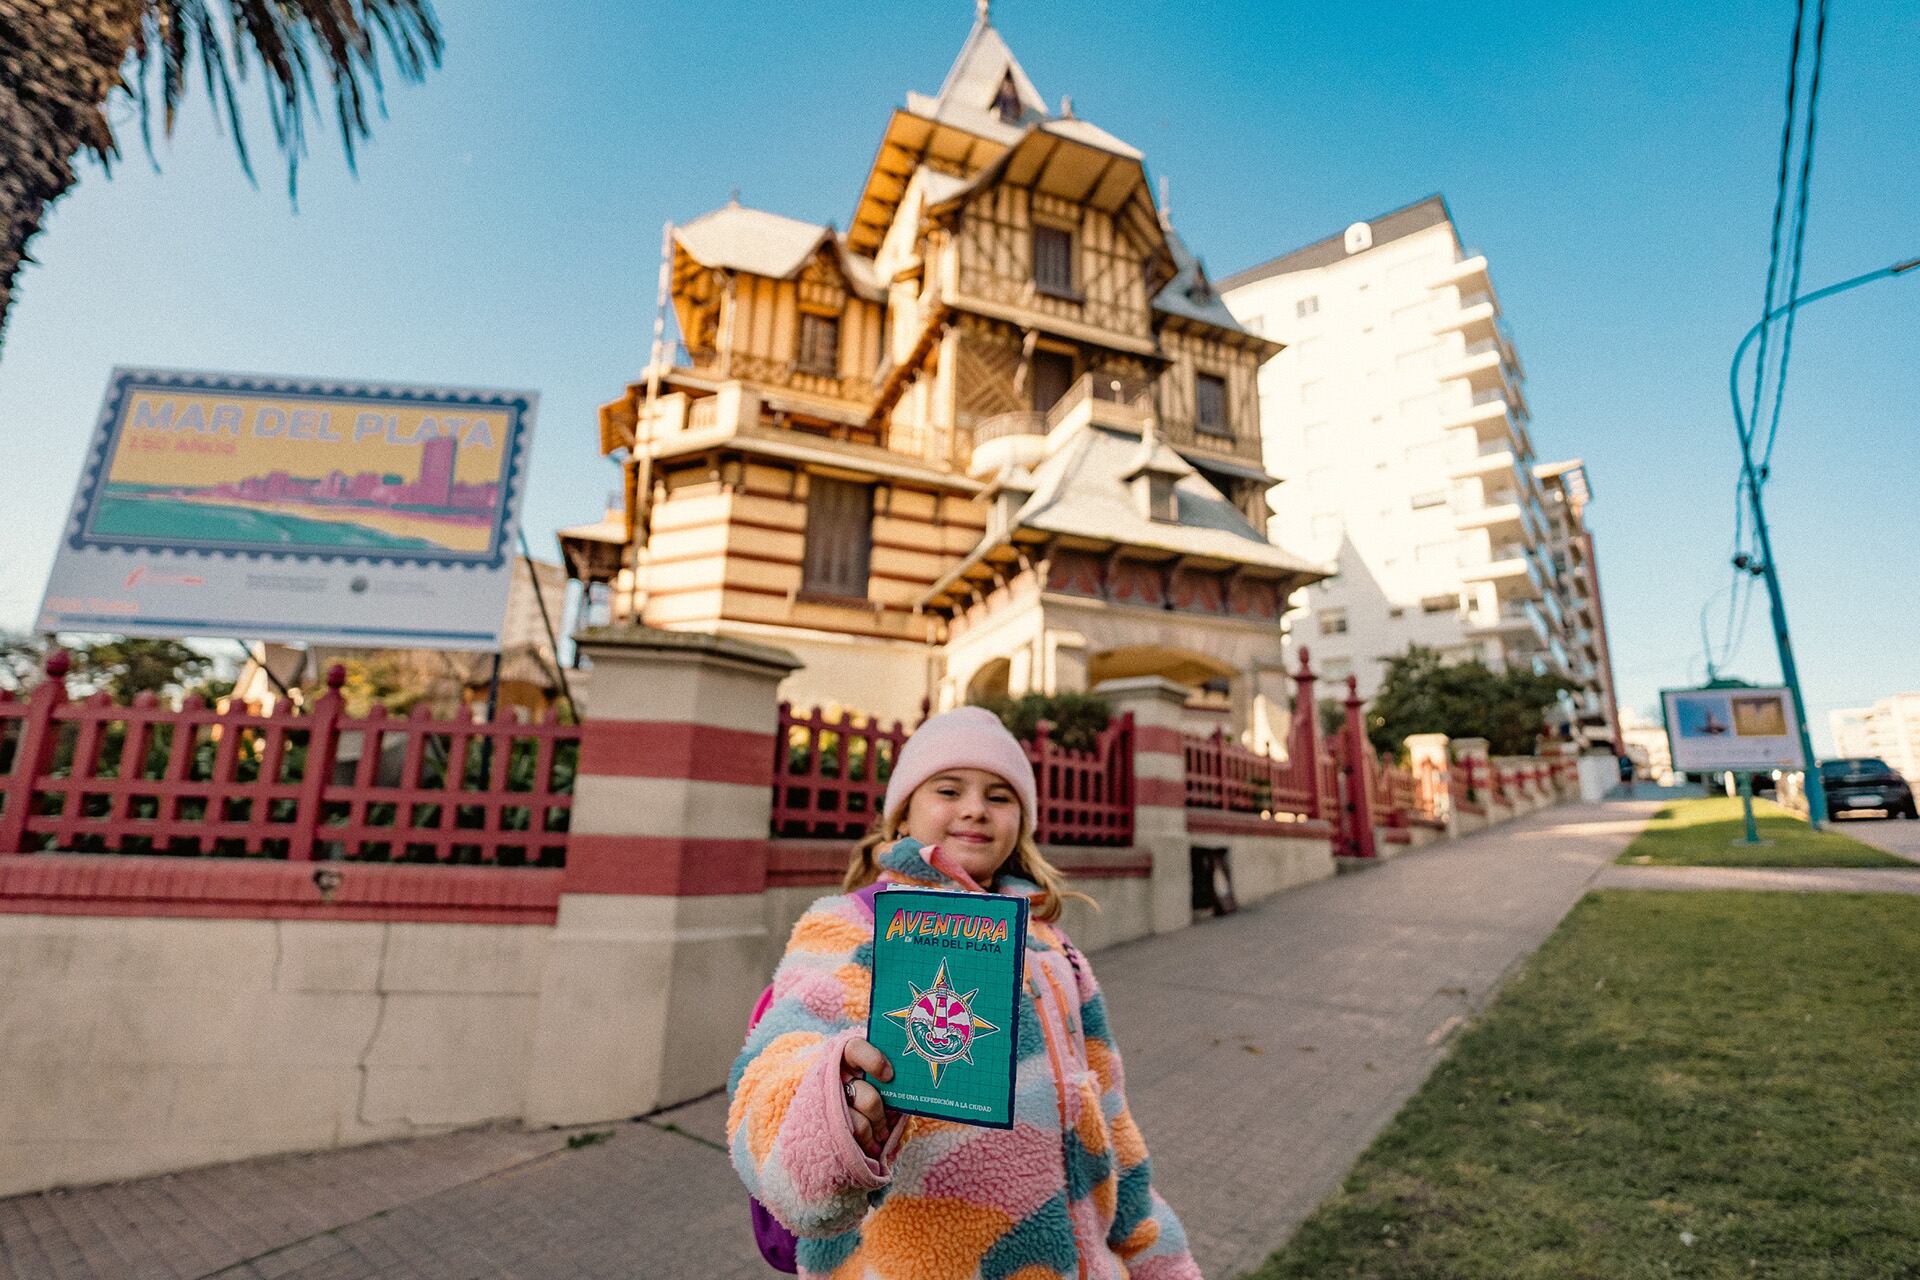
pixel 1744 729
pixel 266 508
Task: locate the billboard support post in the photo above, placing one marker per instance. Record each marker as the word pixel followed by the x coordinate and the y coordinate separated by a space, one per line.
pixel 1746 806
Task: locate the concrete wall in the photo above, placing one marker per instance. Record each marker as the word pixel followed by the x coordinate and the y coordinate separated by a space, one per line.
pixel 132 1046
pixel 1263 866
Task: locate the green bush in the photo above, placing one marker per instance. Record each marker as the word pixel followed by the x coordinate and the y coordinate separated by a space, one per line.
pixel 1077 718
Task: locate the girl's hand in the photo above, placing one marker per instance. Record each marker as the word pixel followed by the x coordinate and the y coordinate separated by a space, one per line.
pixel 872 1124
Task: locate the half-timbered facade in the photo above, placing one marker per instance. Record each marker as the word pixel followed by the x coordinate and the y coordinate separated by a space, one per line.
pixel 1000 434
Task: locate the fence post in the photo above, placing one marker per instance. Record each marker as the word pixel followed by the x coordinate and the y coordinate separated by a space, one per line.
pixel 34 755
pixel 323 742
pixel 1304 739
pixel 1357 811
pixel 1159 789
pixel 1043 784
pixel 660 945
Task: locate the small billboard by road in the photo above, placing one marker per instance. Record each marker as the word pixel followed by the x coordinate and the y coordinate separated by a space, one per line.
pixel 1744 729
pixel 267 508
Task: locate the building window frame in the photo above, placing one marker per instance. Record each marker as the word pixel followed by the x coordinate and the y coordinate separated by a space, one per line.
pixel 837 559
pixel 1056 262
pixel 1332 622
pixel 1307 306
pixel 1204 402
pixel 818 341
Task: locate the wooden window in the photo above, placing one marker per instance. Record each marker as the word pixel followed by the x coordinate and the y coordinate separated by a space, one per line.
pixel 819 344
pixel 839 538
pixel 1210 404
pixel 1053 261
pixel 1052 377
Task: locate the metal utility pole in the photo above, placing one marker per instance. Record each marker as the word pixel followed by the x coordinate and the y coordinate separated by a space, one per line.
pixel 1789 672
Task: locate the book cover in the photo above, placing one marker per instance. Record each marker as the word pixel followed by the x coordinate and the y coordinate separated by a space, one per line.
pixel 947 969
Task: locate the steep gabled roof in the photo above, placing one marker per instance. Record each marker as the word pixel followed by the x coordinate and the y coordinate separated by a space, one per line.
pixel 967 96
pixel 1190 294
pixel 1081 490
pixel 737 238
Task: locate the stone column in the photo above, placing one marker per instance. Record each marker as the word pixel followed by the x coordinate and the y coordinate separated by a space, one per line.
pixel 1066 661
pixel 1427 759
pixel 1159 789
pixel 659 949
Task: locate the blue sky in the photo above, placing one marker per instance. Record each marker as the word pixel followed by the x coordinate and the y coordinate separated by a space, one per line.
pixel 1615 164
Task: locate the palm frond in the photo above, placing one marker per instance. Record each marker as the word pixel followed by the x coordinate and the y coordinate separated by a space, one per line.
pixel 289 40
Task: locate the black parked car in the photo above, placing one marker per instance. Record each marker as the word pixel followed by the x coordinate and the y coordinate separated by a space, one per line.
pixel 1865 782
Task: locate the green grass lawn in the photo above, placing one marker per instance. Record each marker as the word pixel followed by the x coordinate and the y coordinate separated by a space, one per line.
pixel 1704 833
pixel 1679 1084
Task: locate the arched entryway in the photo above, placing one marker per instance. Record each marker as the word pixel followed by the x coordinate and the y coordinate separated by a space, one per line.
pixel 1182 666
pixel 991 681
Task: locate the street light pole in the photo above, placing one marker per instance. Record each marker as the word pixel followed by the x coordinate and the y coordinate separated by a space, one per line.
pixel 1816 790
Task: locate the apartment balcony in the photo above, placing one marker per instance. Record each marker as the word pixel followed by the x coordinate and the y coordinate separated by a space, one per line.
pixel 1489 415
pixel 1493 464
pixel 1468 274
pixel 1477 319
pixel 1481 364
pixel 1511 619
pixel 1502 521
pixel 1509 575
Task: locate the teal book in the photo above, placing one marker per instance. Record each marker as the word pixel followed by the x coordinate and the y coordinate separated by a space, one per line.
pixel 947 969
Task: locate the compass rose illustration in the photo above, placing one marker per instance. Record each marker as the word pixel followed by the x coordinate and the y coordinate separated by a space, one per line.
pixel 940 1023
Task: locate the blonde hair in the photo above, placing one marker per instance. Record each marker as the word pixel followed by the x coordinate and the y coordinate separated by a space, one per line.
pixel 1026 861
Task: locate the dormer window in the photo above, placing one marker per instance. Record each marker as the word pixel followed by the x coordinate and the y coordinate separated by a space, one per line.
pixel 1053 261
pixel 1006 103
pixel 819 344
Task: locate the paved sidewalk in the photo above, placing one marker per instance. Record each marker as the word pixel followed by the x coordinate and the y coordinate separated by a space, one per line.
pixel 1898 836
pixel 1783 879
pixel 1264 1052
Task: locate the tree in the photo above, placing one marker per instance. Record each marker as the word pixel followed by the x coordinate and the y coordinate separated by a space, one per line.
pixel 128 666
pixel 375 680
pixel 121 666
pixel 22 658
pixel 1422 694
pixel 61 61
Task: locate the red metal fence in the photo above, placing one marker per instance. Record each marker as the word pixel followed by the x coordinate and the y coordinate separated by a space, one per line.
pixel 1086 797
pixel 830 778
pixel 1222 774
pixel 91 776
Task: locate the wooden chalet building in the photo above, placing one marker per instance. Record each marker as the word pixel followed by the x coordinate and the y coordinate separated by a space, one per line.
pixel 998 435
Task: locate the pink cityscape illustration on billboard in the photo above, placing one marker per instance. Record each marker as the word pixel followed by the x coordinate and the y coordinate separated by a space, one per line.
pixel 434 493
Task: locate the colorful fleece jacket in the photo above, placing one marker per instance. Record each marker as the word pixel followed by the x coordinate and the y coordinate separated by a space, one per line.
pixel 1067 1192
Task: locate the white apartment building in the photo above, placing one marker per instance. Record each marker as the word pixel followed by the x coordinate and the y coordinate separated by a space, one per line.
pixel 1398 421
pixel 1889 729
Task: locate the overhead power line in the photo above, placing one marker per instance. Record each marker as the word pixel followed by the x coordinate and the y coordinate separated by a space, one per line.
pixel 1779 210
pixel 1799 237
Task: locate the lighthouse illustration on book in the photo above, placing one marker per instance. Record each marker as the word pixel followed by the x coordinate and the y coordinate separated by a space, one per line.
pixel 941 1025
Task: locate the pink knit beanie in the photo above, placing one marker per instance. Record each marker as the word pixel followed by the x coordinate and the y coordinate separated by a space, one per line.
pixel 964 738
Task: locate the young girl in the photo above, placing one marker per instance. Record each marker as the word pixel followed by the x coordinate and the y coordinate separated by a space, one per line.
pixel 873 1194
